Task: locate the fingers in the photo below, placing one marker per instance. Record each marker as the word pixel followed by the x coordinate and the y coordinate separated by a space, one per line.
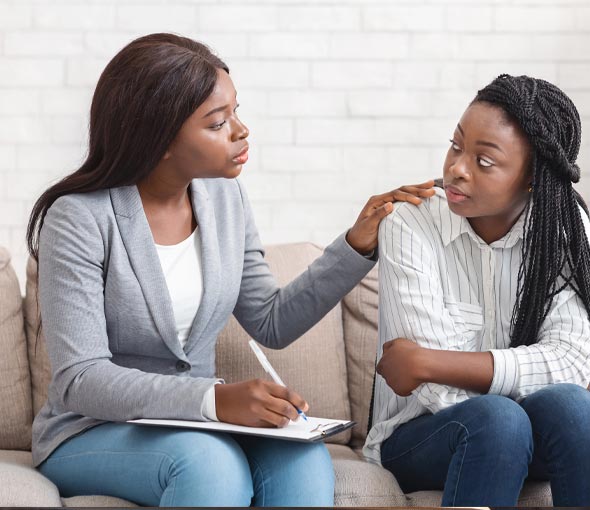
pixel 285 402
pixel 412 194
pixel 387 345
pixel 418 191
pixel 426 185
pixel 382 211
pixel 276 390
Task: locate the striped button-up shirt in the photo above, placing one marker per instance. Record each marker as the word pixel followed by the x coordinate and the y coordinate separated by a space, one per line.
pixel 443 287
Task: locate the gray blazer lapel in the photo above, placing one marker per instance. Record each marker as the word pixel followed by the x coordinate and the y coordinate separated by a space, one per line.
pixel 205 214
pixel 139 244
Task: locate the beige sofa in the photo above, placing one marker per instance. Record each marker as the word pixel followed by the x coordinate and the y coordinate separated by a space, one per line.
pixel 332 366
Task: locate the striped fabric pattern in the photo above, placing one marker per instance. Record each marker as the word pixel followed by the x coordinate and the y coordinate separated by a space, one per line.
pixel 443 287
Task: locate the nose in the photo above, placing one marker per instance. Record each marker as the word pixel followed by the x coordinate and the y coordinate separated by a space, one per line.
pixel 240 131
pixel 459 167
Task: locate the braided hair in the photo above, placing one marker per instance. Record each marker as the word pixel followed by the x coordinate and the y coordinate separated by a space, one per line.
pixel 555 250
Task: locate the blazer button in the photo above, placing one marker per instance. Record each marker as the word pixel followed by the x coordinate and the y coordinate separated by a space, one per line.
pixel 182 366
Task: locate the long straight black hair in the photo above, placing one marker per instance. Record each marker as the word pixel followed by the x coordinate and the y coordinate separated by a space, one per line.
pixel 143 96
pixel 555 251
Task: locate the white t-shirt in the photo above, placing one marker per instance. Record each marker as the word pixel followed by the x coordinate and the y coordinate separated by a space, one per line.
pixel 183 269
pixel 181 264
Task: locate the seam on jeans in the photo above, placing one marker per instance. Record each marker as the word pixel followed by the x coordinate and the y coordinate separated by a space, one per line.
pixel 557 470
pixel 163 455
pixel 162 489
pixel 461 465
pixel 259 469
pixel 383 461
pixel 173 486
pixel 112 452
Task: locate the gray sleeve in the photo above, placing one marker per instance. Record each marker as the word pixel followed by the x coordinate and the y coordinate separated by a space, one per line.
pixel 71 295
pixel 277 316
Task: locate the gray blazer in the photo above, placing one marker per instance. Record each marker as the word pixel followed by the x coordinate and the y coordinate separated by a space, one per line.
pixel 108 319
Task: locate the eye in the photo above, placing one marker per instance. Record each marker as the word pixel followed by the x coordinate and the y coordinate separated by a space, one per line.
pixel 484 162
pixel 237 106
pixel 454 145
pixel 217 126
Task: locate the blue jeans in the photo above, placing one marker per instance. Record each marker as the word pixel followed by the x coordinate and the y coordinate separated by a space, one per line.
pixel 155 466
pixel 480 451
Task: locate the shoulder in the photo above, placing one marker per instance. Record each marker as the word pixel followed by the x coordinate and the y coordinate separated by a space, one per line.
pixel 423 221
pixel 78 206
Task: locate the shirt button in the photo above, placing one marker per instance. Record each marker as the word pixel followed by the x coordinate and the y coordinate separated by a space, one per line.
pixel 182 366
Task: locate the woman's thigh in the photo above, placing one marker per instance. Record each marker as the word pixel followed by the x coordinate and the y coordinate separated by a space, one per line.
pixel 152 466
pixel 288 473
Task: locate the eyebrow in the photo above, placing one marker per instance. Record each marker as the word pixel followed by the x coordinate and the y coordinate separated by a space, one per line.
pixel 219 108
pixel 481 142
pixel 215 110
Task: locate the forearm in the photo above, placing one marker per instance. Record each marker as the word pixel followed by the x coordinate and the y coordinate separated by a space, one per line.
pixel 472 371
pixel 275 317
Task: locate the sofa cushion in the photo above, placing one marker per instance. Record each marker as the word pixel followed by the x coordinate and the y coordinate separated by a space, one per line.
pixel 314 365
pixel 16 413
pixel 362 484
pixel 359 317
pixel 38 359
pixel 96 502
pixel 22 485
pixel 534 493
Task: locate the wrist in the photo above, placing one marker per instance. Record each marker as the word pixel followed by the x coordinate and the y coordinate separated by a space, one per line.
pixel 425 365
pixel 365 251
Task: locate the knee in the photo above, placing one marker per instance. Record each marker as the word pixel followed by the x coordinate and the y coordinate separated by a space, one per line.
pixel 310 465
pixel 561 410
pixel 503 426
pixel 566 405
pixel 307 472
pixel 212 463
pixel 319 468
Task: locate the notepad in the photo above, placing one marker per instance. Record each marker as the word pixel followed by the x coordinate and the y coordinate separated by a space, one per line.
pixel 310 431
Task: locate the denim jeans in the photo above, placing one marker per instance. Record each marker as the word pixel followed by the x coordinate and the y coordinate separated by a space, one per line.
pixel 155 466
pixel 480 451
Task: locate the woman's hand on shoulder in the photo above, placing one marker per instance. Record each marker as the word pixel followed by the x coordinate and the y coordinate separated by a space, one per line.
pixel 363 234
pixel 257 403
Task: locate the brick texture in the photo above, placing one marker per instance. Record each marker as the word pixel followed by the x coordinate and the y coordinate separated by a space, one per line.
pixel 344 98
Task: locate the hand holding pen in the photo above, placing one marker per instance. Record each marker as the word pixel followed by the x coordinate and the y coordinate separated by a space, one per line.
pixel 270 370
pixel 257 403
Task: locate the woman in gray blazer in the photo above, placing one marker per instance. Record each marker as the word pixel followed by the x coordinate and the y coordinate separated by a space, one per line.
pixel 128 339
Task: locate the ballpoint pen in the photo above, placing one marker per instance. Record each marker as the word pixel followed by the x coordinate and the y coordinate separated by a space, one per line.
pixel 269 370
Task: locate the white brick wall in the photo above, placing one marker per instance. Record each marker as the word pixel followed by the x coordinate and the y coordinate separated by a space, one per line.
pixel 344 98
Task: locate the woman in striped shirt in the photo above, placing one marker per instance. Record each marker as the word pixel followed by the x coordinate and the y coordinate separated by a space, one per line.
pixel 484 301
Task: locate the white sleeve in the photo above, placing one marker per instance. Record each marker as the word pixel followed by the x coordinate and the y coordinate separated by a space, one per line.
pixel 208 404
pixel 561 354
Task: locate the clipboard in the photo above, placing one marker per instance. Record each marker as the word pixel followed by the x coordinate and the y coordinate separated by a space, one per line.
pixel 311 431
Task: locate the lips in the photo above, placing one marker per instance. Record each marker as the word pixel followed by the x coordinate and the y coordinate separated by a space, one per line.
pixel 241 157
pixel 455 195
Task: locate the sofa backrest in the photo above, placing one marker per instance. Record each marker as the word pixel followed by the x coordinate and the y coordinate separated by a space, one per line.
pixel 38 358
pixel 15 385
pixel 360 318
pixel 315 365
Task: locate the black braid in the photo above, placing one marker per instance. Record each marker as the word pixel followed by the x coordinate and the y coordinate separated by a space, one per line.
pixel 555 251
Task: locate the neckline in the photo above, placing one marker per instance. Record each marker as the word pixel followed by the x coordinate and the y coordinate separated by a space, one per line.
pixel 178 245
